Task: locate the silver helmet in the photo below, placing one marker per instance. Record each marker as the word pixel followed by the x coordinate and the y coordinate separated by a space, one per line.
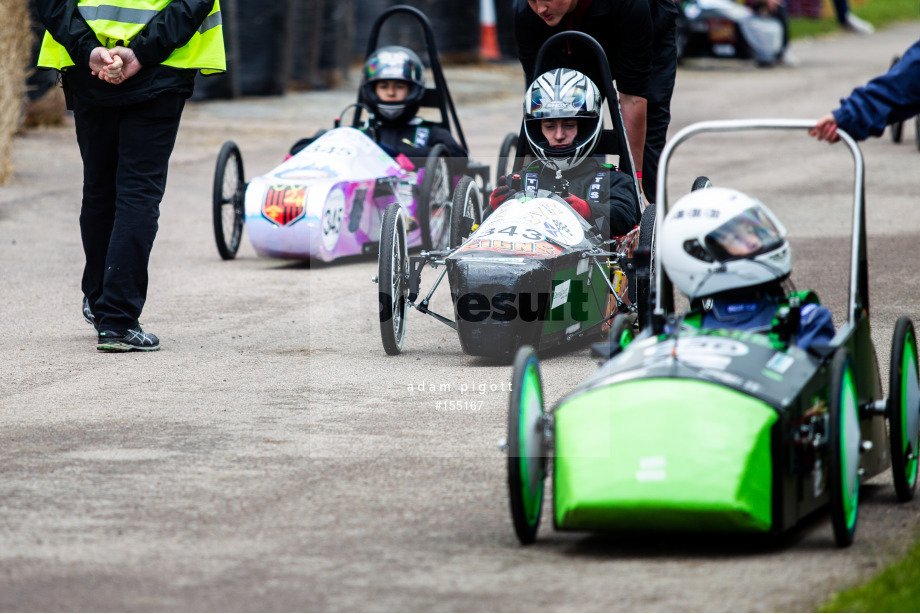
pixel 563 94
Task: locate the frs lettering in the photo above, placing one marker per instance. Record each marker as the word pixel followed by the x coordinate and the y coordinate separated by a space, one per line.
pixel 541 249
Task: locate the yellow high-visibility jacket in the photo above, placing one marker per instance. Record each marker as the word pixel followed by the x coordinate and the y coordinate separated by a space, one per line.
pixel 117 22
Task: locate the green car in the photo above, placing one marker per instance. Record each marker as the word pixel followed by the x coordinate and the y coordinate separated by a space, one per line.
pixel 692 429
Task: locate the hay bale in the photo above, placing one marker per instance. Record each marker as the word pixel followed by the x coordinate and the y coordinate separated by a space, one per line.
pixel 15 57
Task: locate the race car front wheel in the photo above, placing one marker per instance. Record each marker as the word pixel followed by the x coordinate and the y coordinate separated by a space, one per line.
pixel 393 279
pixel 903 409
pixel 433 202
pixel 844 447
pixel 466 205
pixel 526 446
pixel 227 200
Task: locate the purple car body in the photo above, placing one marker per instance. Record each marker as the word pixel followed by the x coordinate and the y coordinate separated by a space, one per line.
pixel 327 201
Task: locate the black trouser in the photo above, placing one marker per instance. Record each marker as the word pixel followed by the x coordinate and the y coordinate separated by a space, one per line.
pixel 125 154
pixel 660 87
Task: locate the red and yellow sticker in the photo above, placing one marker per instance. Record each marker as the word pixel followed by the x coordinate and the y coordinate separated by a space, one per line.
pixel 284 204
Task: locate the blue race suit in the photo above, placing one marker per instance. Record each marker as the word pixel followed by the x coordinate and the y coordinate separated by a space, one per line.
pixel 815 327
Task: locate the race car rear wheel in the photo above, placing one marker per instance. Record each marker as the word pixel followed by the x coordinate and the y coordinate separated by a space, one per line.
pixel 433 202
pixel 467 203
pixel 393 279
pixel 526 445
pixel 844 447
pixel 506 155
pixel 640 292
pixel 903 408
pixel 227 199
pixel 700 183
pixel 622 330
pixel 917 131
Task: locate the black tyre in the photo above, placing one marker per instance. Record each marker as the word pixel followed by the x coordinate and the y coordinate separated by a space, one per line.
pixel 903 409
pixel 917 131
pixel 433 210
pixel 393 279
pixel 640 293
pixel 506 155
pixel 699 183
pixel 844 448
pixel 622 330
pixel 227 199
pixel 897 128
pixel 526 445
pixel 467 203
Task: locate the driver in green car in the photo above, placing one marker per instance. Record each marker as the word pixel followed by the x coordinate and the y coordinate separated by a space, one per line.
pixel 728 253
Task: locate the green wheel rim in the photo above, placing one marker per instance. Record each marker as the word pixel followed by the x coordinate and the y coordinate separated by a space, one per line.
pixel 531 472
pixel 849 449
pixel 910 417
pixel 626 338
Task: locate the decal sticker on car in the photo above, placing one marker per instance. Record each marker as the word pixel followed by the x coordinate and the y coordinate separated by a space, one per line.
pixel 538 250
pixel 534 220
pixel 561 294
pixel 652 469
pixel 284 204
pixel 333 216
pixel 701 351
pixel 780 362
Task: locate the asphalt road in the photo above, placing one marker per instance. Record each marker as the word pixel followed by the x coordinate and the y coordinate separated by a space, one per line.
pixel 272 457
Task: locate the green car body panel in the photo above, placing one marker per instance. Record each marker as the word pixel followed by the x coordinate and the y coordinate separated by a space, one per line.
pixel 677 454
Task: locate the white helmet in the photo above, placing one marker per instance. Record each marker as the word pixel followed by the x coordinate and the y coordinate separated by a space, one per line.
pixel 719 239
pixel 563 93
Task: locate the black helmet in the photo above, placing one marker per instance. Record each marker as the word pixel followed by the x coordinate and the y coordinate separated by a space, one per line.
pixel 399 63
pixel 557 94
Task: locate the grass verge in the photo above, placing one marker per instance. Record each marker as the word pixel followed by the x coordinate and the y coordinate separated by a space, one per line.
pixel 897 589
pixel 879 13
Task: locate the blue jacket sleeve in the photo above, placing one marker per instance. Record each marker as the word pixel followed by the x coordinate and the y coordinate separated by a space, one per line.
pixel 816 326
pixel 888 98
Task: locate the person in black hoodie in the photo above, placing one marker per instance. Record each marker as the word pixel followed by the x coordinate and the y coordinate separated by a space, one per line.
pixel 639 38
pixel 563 122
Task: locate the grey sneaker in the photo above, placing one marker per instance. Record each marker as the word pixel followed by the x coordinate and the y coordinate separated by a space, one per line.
pixel 789 59
pixel 857 25
pixel 127 341
pixel 88 313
